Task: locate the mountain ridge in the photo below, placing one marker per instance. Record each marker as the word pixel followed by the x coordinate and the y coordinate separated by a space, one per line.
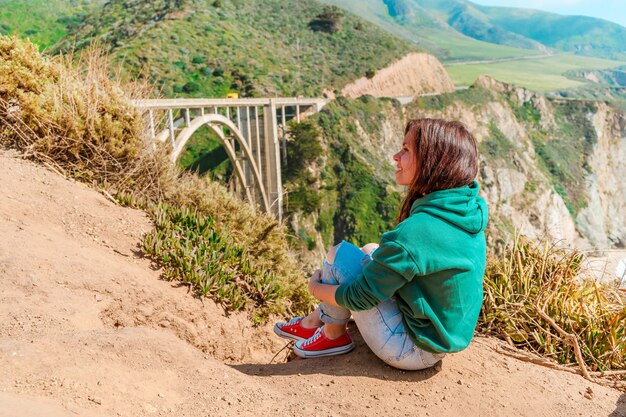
pixel 499 25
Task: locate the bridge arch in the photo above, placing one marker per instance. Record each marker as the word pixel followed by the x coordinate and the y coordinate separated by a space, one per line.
pixel 216 122
pixel 261 133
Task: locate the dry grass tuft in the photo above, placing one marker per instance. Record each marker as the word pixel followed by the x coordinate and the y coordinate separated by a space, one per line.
pixel 537 297
pixel 74 115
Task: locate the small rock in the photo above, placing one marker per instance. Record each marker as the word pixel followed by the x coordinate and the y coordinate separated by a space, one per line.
pixel 459 382
pixel 98 297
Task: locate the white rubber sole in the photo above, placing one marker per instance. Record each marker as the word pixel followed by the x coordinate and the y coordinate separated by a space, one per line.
pixel 286 335
pixel 321 353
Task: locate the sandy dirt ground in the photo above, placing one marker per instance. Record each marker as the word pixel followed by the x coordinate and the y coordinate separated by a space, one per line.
pixel 88 328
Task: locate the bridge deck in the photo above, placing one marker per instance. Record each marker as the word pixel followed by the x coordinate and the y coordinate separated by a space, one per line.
pixel 185 103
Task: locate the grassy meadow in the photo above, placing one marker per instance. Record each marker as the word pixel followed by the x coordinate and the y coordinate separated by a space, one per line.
pixel 539 74
pixel 456 47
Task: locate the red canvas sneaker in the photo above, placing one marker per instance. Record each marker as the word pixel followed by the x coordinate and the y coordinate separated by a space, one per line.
pixel 319 345
pixel 293 329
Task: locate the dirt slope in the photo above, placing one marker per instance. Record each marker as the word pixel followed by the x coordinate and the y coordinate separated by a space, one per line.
pixel 87 328
pixel 416 73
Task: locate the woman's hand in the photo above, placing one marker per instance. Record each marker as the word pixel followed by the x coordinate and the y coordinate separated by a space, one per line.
pixel 315 281
pixel 321 291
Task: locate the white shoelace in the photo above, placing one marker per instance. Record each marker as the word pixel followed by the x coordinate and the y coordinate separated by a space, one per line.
pixel 317 335
pixel 293 321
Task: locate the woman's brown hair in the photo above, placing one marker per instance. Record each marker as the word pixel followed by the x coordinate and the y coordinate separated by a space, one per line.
pixel 446 157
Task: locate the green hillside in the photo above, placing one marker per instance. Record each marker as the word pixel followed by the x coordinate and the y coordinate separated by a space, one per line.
pixel 424 23
pixel 477 25
pixel 434 23
pixel 263 47
pixel 579 34
pixel 44 22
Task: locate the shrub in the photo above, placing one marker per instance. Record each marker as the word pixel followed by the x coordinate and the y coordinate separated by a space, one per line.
pixel 329 20
pixel 218 72
pixel 80 120
pixel 536 299
pixel 303 199
pixel 498 145
pixel 190 248
pixel 206 71
pixel 191 87
pixel 303 149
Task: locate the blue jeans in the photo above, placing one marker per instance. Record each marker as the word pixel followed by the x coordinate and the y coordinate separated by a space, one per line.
pixel 382 327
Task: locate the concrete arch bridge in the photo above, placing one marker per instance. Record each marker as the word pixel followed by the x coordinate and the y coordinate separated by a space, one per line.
pixel 252 131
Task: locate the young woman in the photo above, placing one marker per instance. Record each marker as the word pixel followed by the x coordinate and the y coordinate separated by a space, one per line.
pixel 416 295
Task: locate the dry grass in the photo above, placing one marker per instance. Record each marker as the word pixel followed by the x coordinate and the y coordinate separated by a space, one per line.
pixel 79 118
pixel 538 297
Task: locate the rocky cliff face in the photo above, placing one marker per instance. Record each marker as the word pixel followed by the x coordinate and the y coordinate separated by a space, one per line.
pixel 416 73
pixel 603 221
pixel 548 169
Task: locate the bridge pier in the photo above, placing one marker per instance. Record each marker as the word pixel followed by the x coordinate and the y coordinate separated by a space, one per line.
pixel 272 151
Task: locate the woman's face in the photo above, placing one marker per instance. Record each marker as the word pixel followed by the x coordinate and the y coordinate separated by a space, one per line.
pixel 406 163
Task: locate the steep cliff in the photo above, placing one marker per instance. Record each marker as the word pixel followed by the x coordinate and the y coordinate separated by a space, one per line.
pixel 603 221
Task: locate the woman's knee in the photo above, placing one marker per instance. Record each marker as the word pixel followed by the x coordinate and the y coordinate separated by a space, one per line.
pixel 369 248
pixel 330 256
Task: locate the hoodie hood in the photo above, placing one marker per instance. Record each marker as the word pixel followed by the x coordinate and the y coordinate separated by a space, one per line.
pixel 462 207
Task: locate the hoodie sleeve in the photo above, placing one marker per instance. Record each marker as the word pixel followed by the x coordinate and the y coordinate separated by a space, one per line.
pixel 390 269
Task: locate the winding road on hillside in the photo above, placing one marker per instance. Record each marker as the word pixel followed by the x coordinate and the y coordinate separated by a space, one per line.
pixel 498 60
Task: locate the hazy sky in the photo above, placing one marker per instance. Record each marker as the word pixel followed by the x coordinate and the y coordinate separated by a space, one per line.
pixel 613 10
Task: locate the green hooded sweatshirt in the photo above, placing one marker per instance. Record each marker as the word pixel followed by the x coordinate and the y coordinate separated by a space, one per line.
pixel 433 263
